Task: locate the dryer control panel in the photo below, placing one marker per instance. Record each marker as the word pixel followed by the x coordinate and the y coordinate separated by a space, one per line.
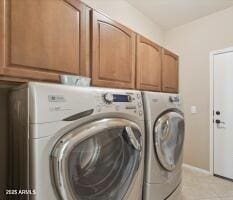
pixel 53 102
pixel 126 102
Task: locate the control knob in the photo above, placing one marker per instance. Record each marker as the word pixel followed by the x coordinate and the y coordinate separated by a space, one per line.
pixel 108 98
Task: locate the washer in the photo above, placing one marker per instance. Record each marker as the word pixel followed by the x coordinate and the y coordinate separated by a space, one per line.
pixel 76 143
pixel 164 146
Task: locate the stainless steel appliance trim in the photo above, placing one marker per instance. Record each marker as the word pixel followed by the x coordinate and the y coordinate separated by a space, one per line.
pixel 64 146
pixel 164 118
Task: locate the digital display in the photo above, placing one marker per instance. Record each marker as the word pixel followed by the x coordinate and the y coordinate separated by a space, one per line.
pixel 121 98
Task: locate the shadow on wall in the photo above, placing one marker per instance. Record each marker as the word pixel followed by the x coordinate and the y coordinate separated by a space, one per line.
pixel 3 140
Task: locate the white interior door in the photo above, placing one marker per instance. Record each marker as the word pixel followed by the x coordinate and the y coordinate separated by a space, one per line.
pixel 223 115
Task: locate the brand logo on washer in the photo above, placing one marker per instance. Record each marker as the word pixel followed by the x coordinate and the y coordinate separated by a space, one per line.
pixel 56 98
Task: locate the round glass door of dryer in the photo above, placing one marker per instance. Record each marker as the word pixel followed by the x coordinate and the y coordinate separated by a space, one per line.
pixel 169 138
pixel 99 163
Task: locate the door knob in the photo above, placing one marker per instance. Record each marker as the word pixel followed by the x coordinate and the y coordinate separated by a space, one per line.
pixel 220 124
pixel 219 121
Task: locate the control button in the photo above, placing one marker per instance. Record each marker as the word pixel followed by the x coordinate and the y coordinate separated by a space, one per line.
pixel 139 104
pixel 108 98
pixel 174 99
pixel 98 108
pixel 140 113
pixel 129 98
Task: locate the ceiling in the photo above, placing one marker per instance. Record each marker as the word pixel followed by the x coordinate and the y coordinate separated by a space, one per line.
pixel 172 13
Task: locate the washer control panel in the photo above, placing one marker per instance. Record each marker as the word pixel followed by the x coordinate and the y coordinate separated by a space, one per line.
pixel 127 102
pixel 174 100
pixel 110 98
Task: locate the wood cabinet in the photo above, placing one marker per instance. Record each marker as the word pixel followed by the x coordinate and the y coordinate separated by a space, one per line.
pixel 41 39
pixel 149 65
pixel 113 53
pixel 170 72
pixel 157 68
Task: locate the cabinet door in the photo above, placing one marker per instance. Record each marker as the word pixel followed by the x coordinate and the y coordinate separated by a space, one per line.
pixel 149 65
pixel 113 51
pixel 44 38
pixel 170 72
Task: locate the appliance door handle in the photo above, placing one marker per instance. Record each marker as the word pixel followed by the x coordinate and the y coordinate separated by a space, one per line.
pixel 166 130
pixel 133 140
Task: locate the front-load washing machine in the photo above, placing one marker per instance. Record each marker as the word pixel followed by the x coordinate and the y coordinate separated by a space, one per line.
pixel 164 143
pixel 76 143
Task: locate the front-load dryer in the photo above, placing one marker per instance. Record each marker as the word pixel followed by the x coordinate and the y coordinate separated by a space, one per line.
pixel 76 143
pixel 164 144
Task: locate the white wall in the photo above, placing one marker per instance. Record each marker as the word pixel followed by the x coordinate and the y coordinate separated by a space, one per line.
pixel 124 13
pixel 193 42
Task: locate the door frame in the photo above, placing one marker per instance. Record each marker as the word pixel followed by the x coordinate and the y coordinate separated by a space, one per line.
pixel 211 107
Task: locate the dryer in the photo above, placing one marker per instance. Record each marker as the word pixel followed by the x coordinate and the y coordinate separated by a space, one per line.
pixel 164 145
pixel 76 143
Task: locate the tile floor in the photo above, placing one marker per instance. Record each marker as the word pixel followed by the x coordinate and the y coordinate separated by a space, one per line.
pixel 201 186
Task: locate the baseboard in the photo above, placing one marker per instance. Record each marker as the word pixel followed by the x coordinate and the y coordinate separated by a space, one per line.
pixel 196 169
